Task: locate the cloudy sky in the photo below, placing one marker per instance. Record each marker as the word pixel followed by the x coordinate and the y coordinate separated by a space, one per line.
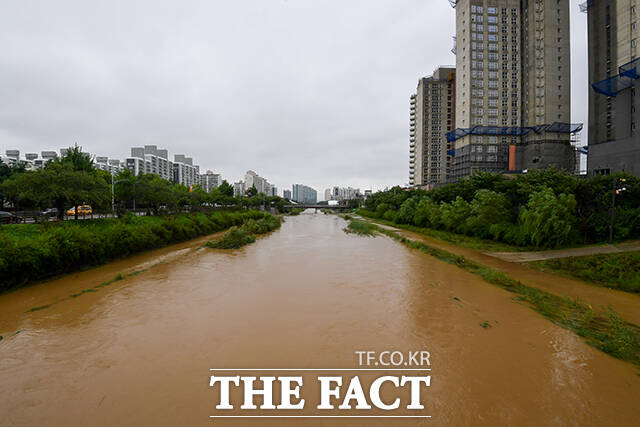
pixel 301 91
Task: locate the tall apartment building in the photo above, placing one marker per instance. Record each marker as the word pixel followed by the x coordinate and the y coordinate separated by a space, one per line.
pixel 238 189
pixel 513 86
pixel 431 117
pixel 286 194
pixel 304 194
pixel 341 193
pixel 614 72
pixel 150 159
pixel 209 181
pixel 184 171
pixel 252 179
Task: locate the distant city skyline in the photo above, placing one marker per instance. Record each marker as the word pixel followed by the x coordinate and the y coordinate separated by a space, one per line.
pixel 226 83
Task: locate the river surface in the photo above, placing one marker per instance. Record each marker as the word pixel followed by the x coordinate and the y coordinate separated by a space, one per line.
pixel 139 351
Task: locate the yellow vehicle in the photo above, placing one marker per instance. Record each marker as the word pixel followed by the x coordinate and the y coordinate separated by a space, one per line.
pixel 82 210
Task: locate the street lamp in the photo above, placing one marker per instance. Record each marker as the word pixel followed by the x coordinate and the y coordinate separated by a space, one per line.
pixel 113 183
pixel 612 211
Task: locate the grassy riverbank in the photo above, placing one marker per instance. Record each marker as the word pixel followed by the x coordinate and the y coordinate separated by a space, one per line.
pixel 617 271
pixel 31 252
pixel 603 329
pixel 465 241
pixel 245 234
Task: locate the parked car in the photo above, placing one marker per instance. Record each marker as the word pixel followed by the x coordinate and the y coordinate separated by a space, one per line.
pixel 49 212
pixel 82 210
pixel 8 218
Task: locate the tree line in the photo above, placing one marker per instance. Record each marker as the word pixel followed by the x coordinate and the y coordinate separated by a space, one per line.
pixel 545 208
pixel 72 180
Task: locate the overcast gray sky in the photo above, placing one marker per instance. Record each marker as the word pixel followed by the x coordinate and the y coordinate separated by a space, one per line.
pixel 301 91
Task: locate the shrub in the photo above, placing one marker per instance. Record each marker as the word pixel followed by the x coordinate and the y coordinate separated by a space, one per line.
pixel 547 220
pixel 30 252
pixel 406 212
pixel 488 209
pixel 233 239
pixel 454 215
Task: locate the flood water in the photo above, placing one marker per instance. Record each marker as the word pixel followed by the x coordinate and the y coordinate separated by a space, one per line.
pixel 139 351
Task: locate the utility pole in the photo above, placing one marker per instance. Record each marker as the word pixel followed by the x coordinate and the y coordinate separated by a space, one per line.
pixel 113 202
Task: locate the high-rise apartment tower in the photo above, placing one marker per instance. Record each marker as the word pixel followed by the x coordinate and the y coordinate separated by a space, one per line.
pixel 431 117
pixel 513 86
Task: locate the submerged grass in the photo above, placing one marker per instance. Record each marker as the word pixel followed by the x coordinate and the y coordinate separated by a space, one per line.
pixel 237 237
pixel 605 330
pixel 233 239
pixel 616 271
pixel 361 228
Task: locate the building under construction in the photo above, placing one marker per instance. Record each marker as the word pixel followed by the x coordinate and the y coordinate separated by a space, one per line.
pixel 513 87
pixel 614 72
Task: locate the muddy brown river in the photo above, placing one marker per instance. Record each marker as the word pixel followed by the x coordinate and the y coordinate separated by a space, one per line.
pixel 139 351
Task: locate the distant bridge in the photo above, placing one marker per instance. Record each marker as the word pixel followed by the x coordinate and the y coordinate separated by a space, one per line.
pixel 303 206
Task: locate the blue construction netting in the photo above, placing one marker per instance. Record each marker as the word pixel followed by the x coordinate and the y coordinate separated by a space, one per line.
pixel 513 130
pixel 613 85
pixel 631 69
pixel 628 73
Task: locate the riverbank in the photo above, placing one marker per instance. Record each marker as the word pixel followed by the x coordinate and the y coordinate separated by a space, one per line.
pixel 307 296
pixel 603 328
pixel 33 252
pixel 616 271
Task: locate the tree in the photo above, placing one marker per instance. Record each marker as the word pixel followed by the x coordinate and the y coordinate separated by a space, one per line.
pixel 488 208
pixel 78 160
pixel 154 192
pixel 547 220
pixel 59 185
pixel 251 192
pixel 226 189
pixel 6 172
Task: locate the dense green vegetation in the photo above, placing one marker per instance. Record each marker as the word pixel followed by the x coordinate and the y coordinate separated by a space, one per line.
pixel 540 209
pixel 294 211
pixel 604 330
pixel 618 271
pixel 245 234
pixel 233 239
pixel 72 180
pixel 30 252
pixel 360 228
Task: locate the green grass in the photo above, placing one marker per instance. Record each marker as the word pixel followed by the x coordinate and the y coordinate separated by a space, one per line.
pixel 604 330
pixel 238 237
pixel 617 271
pixel 361 228
pixel 233 239
pixel 294 211
pixel 457 239
pixel 33 252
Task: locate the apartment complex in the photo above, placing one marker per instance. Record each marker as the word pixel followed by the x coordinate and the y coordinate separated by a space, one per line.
pixel 614 72
pixel 304 194
pixel 341 193
pixel 209 181
pixel 252 179
pixel 431 117
pixel 33 161
pixel 238 189
pixel 513 86
pixel 152 160
pixel 286 194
